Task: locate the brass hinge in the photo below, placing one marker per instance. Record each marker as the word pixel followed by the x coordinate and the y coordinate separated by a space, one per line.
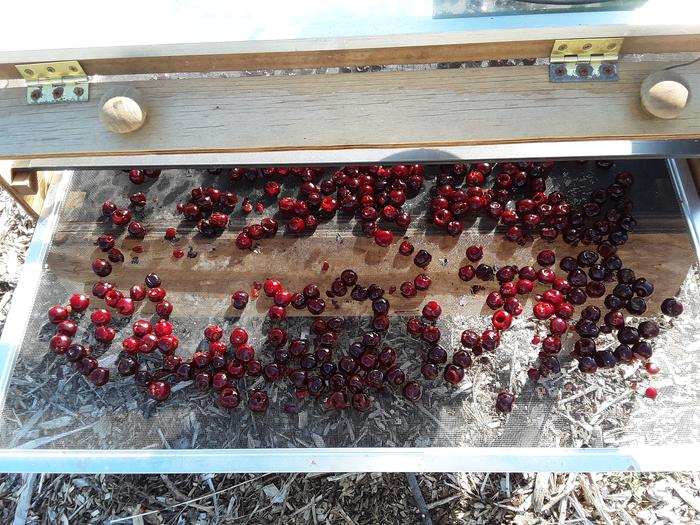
pixel 55 82
pixel 584 60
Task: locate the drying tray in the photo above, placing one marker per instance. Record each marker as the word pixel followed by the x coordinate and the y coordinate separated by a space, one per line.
pixel 55 420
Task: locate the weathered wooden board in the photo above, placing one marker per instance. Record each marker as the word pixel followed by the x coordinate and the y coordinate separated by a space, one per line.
pixel 420 108
pixel 250 56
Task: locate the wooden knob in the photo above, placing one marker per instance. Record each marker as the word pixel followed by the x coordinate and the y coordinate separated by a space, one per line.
pixel 122 110
pixel 665 94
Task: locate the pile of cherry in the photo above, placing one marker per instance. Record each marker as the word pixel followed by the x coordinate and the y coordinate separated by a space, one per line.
pixel 376 195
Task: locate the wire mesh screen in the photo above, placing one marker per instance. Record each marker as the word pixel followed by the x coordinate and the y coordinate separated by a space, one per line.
pixel 50 405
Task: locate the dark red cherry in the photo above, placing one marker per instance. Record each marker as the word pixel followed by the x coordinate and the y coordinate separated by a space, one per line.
pixel 406 248
pixel 422 259
pixel 316 306
pixel 239 299
pixel 105 334
pixel 152 280
pixel 546 258
pixel 158 390
pixel 238 336
pixel 648 329
pixel 105 242
pixel 628 335
pixel 671 307
pixel 258 401
pixel 412 391
pixel 504 402
pixel 99 376
pixel 466 273
pixel 475 252
pixel 101 267
pixel 453 374
pixel 108 207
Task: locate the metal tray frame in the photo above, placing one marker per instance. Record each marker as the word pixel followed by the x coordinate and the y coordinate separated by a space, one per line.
pixel 482 459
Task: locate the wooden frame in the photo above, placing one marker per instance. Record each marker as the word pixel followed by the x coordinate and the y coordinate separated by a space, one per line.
pixel 433 108
pixel 323 53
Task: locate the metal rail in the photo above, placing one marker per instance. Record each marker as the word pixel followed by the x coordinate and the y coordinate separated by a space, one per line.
pixel 607 149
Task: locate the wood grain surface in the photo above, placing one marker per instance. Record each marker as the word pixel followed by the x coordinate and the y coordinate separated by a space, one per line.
pixel 373 110
pixel 205 282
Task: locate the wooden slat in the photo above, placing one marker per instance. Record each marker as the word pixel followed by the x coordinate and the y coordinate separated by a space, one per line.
pixel 421 108
pixel 248 56
pixel 28 188
pixel 205 282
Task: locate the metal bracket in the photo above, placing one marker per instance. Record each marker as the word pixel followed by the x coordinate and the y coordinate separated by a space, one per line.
pixel 55 82
pixel 585 60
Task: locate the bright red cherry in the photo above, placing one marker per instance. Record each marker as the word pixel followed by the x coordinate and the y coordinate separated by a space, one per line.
pixel 432 310
pixel 142 327
pixel 163 327
pixel 271 287
pixel 59 343
pixel 100 316
pixel 651 392
pixel 213 333
pixel 277 313
pixel 68 327
pixel 79 302
pixel 57 314
pixel 164 309
pixel 501 320
pixel 131 345
pixel 243 241
pixel 126 306
pixel 406 248
pixel 137 292
pixel 112 297
pixel 282 297
pixel 383 237
pixel 121 216
pixel 238 336
pixel 543 310
pixel 156 294
pixel 168 344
